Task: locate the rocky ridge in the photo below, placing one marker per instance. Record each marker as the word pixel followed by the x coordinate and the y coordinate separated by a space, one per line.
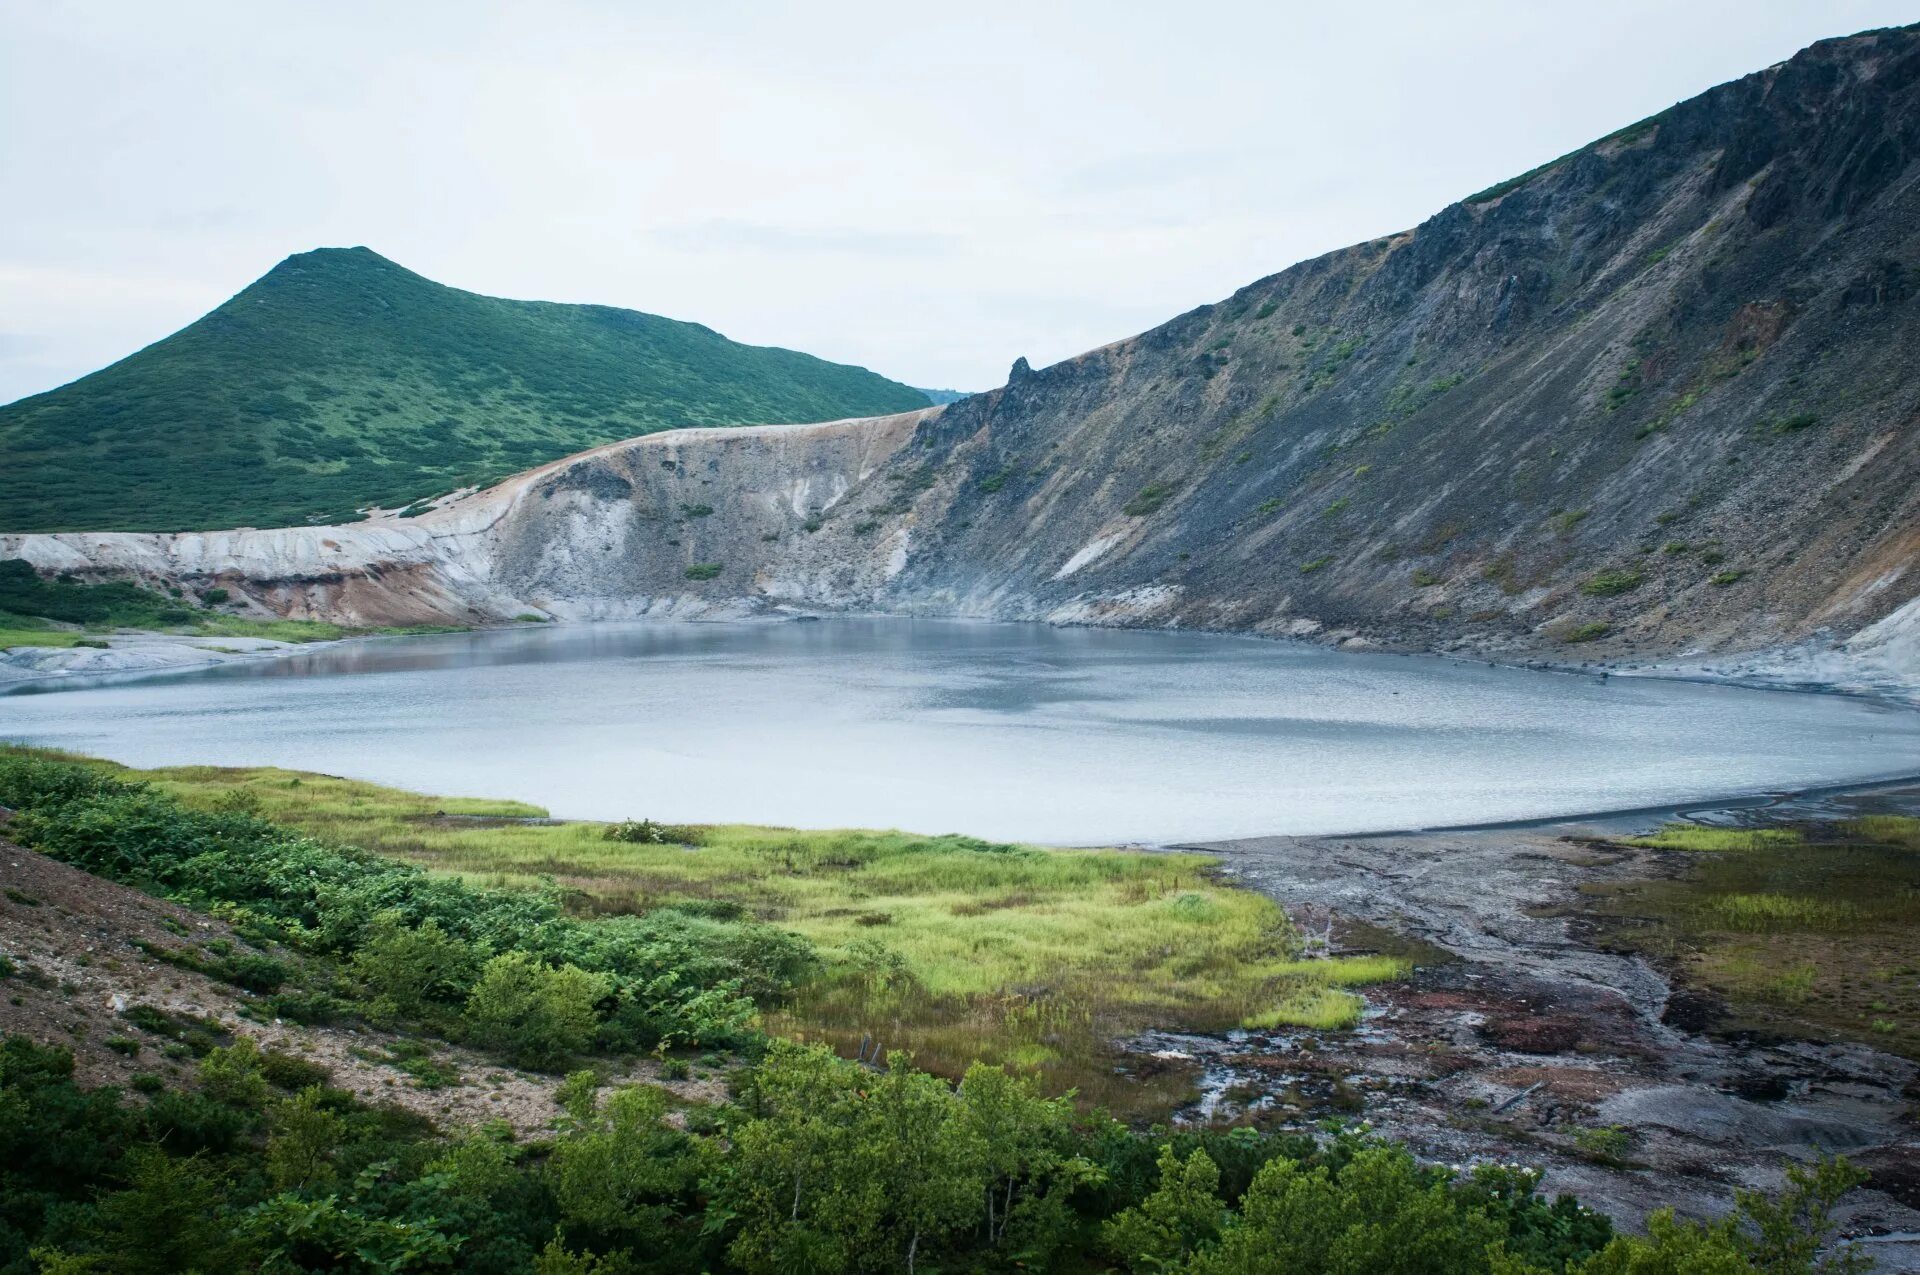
pixel 1654 402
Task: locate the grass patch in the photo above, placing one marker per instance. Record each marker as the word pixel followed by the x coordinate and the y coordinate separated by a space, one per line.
pixel 703 571
pixel 1315 564
pixel 1891 830
pixel 1607 584
pixel 1806 930
pixel 1590 631
pixel 1148 501
pixel 950 946
pixel 1699 837
pixel 1766 913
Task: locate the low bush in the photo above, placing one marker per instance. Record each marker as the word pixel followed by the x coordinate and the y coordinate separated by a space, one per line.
pixel 1606 584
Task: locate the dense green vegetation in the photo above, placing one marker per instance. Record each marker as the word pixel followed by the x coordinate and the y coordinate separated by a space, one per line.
pixel 507 968
pixel 813 1165
pixel 341 380
pixel 954 948
pixel 33 611
pixel 809 1163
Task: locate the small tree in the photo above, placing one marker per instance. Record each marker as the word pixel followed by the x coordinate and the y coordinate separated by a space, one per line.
pixel 232 1074
pixel 305 1136
pixel 1185 1213
pixel 535 1016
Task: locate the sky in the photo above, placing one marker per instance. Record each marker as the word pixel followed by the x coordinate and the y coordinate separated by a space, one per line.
pixel 929 191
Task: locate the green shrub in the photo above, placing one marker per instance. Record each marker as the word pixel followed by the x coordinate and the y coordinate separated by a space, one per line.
pixel 670 977
pixel 1724 578
pixel 1315 564
pixel 233 1074
pixel 645 832
pixel 1148 500
pixel 286 1071
pixel 409 968
pixel 703 571
pixel 535 1015
pixel 1590 631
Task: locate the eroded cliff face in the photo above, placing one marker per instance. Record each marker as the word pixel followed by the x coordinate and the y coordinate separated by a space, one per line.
pixel 1660 397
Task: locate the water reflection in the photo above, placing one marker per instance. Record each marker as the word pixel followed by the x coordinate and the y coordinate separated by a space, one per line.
pixel 1002 730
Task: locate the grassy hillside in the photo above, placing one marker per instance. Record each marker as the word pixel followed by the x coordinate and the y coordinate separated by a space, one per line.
pixel 341 380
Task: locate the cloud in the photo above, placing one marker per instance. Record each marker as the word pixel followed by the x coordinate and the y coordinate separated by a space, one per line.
pixel 724 235
pixel 928 191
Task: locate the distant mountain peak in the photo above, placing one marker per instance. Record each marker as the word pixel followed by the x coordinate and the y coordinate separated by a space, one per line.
pixel 340 380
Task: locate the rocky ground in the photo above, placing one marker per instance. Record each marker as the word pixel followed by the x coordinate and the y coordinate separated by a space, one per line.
pixel 1520 1038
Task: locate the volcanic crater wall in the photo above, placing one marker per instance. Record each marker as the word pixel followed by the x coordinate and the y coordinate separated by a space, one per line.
pixel 1659 397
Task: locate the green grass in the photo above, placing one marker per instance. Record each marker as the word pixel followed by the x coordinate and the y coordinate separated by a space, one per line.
pixel 1698 837
pixel 1607 584
pixel 1891 830
pixel 1806 930
pixel 1569 519
pixel 1148 500
pixel 340 380
pixel 1766 913
pixel 1590 631
pixel 950 946
pixel 18 630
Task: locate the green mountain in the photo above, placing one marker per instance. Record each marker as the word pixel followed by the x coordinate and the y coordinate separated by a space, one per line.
pixel 341 380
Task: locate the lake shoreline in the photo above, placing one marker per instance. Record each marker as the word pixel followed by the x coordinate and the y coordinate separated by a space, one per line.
pixel 1524 1026
pixel 1181 698
pixel 183 652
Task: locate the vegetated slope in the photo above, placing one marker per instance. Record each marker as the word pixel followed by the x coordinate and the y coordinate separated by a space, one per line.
pixel 340 380
pixel 1657 395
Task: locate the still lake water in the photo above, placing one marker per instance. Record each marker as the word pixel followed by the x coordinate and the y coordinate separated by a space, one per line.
pixel 1067 736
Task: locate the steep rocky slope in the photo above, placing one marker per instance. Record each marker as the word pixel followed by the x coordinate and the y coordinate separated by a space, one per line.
pixel 1659 396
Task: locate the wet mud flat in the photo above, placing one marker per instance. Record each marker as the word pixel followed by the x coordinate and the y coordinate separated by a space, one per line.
pixel 1529 1031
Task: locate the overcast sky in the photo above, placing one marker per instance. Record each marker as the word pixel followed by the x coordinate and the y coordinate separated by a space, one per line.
pixel 929 192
